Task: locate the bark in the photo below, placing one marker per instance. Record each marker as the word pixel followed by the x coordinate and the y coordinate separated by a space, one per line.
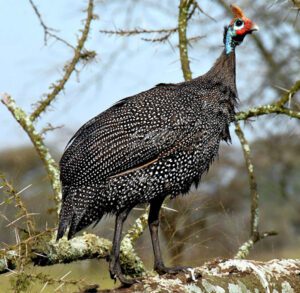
pixel 230 276
pixel 49 252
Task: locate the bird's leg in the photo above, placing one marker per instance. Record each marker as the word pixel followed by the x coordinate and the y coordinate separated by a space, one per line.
pixel 114 265
pixel 153 222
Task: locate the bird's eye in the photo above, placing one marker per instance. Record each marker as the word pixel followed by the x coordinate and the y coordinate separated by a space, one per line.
pixel 239 23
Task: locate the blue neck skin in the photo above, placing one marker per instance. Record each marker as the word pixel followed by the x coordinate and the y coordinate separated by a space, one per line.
pixel 230 44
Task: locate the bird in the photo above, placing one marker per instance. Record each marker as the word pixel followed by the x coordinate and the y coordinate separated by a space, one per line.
pixel 150 146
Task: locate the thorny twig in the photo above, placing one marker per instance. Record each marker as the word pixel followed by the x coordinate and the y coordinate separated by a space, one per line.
pixel 161 39
pixel 69 68
pixel 138 31
pixel 196 4
pixel 45 280
pixel 50 127
pixel 47 30
pixel 10 190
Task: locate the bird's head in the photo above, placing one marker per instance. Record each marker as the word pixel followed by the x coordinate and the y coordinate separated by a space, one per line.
pixel 239 27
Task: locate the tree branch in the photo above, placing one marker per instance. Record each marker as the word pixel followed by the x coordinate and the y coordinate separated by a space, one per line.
pixel 226 276
pixel 138 31
pixel 47 29
pixel 38 143
pixel 23 212
pixel 184 7
pixel 274 108
pixel 255 236
pixel 69 68
pixel 49 252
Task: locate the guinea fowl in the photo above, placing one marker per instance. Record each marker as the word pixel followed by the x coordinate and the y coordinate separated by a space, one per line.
pixel 146 147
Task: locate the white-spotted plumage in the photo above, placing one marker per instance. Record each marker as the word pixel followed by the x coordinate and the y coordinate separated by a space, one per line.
pixel 153 144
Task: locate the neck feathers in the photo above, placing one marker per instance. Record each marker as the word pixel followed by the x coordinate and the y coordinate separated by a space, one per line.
pixel 224 69
pixel 229 41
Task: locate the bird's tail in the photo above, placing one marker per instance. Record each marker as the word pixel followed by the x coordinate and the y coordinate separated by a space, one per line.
pixel 78 211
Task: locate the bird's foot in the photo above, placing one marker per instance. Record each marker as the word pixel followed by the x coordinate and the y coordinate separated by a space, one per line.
pixel 116 273
pixel 161 269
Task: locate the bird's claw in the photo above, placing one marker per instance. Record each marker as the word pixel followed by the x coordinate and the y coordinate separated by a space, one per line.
pixel 192 274
pixel 115 273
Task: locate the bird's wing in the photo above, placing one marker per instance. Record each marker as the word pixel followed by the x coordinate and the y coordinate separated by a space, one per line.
pixel 124 138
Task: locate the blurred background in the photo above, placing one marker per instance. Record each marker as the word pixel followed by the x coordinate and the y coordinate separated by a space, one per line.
pixel 213 221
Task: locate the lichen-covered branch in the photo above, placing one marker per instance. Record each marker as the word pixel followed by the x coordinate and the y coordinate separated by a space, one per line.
pixel 127 246
pixel 252 180
pixel 137 229
pixel 69 68
pixel 88 246
pixel 38 142
pixel 277 107
pixel 227 276
pixel 289 95
pixel 267 109
pixel 255 236
pixel 184 7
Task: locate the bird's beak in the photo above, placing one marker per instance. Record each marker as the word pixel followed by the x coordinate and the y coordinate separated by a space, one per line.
pixel 254 27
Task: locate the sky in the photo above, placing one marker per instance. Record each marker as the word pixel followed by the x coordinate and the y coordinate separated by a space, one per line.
pixel 123 67
pixel 28 66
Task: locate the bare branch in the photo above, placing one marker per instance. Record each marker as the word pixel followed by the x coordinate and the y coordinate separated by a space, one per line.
pixel 160 39
pixel 255 236
pixel 47 30
pixel 10 190
pixel 196 4
pixel 68 69
pixel 138 31
pixel 49 127
pixel 289 94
